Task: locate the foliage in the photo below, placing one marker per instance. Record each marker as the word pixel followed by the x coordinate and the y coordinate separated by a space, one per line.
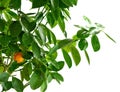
pixel 29 46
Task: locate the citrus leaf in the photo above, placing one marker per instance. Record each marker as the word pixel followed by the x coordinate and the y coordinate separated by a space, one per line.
pixel 5 40
pixel 39 16
pixel 60 65
pixel 7 85
pixel 27 70
pixel 43 86
pixel 51 20
pixel 7 17
pixel 75 2
pixel 53 50
pixel 61 44
pixel 4 77
pixel 54 4
pixel 12 14
pixel 36 50
pixel 87 19
pixel 15 4
pixel 27 24
pixel 36 80
pixel 42 32
pixel 53 38
pixel 67 2
pixel 76 55
pixel 2 25
pixel 1 69
pixel 64 42
pixel 17 84
pixel 83 44
pixel 61 23
pixel 67 58
pixel 15 28
pixel 95 43
pixel 27 39
pixel 38 3
pixel 12 67
pixel 87 56
pixel 58 77
pixel 110 37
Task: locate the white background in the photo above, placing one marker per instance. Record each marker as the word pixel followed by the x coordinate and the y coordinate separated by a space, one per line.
pixel 103 74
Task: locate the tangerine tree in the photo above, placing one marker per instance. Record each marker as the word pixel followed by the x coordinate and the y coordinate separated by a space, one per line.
pixel 29 46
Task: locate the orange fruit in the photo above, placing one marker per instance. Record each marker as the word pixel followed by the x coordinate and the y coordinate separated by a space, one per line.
pixel 18 57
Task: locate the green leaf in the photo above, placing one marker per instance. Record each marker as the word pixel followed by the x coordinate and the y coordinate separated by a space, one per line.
pixel 38 3
pixel 68 2
pixel 36 50
pixel 67 58
pixel 53 50
pixel 4 77
pixel 49 78
pixel 76 55
pixel 67 13
pixel 53 37
pixel 83 44
pixel 13 47
pixel 27 70
pixel 48 35
pixel 5 40
pixel 22 74
pixel 17 84
pixel 54 4
pixel 4 3
pixel 51 20
pixel 36 80
pixel 59 64
pixel 39 16
pixel 27 54
pixel 12 67
pixel 15 29
pixel 95 43
pixel 7 17
pixel 58 77
pixel 55 64
pixel 42 32
pixel 87 19
pixel 15 4
pixel 25 22
pixel 57 13
pixel 60 44
pixel 43 86
pixel 1 69
pixel 82 33
pixel 110 37
pixel 7 85
pixel 87 56
pixel 12 14
pixel 46 32
pixel 2 25
pixel 61 23
pixel 75 2
pixel 62 5
pixel 27 39
pixel 30 26
pixel 64 42
pixel 99 25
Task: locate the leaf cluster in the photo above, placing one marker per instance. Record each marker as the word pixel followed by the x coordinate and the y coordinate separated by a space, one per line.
pixel 31 34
